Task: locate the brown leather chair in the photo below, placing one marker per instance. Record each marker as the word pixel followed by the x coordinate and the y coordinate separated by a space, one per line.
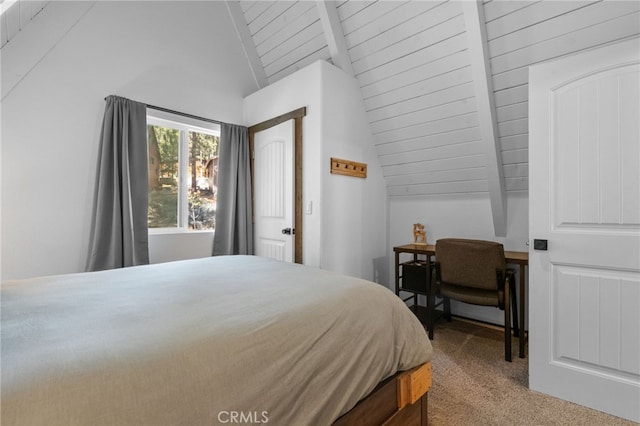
pixel 474 271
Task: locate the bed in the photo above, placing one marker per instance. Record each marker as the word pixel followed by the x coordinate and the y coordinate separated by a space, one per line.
pixel 219 340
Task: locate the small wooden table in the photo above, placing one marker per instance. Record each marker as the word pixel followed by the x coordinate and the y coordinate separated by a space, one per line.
pixel 428 291
pixel 520 258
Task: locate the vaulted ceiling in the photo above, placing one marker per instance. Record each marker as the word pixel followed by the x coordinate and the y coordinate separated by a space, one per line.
pixel 15 15
pixel 444 83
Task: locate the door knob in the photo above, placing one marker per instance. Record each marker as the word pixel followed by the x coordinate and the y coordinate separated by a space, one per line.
pixel 288 231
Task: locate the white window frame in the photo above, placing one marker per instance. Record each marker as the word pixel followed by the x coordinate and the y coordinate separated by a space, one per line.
pixel 184 125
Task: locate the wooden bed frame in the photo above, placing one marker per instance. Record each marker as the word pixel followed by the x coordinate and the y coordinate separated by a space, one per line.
pixel 399 400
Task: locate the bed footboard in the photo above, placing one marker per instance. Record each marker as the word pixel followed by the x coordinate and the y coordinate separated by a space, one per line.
pixel 399 400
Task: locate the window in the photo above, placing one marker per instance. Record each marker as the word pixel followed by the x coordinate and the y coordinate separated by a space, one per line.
pixel 183 171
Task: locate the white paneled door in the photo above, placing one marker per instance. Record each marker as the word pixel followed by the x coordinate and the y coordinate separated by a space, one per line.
pixel 274 192
pixel 585 202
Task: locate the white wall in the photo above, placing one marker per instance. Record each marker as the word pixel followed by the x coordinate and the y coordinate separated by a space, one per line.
pixel 463 217
pixel 347 228
pixel 181 55
pixel 186 56
pixel 354 214
pixel 300 89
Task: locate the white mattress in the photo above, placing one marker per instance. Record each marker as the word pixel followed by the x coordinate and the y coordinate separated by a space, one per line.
pixel 193 342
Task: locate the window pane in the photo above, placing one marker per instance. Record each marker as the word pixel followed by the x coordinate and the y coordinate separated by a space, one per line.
pixel 203 179
pixel 163 145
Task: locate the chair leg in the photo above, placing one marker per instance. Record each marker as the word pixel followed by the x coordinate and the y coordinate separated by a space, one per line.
pixel 514 308
pixel 507 324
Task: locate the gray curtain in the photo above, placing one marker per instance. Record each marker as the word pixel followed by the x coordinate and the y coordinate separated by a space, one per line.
pixel 119 234
pixel 234 224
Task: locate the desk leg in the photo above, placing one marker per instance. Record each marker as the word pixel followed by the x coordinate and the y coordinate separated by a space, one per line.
pixel 523 334
pixel 397 273
pixel 431 300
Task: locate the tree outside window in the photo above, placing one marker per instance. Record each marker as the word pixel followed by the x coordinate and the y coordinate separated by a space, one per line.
pixel 183 168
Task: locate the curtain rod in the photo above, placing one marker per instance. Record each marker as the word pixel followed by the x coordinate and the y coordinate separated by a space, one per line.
pixel 183 114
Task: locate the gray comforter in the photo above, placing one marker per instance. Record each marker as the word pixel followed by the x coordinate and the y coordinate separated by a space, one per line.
pixel 200 341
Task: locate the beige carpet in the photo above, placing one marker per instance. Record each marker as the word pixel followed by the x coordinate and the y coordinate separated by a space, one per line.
pixel 473 385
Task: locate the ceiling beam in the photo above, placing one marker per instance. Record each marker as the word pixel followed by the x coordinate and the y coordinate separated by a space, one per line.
pixel 334 35
pixel 249 47
pixel 483 83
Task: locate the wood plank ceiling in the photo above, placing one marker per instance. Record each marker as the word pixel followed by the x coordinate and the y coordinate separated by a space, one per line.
pixel 419 84
pixel 15 15
pixel 412 60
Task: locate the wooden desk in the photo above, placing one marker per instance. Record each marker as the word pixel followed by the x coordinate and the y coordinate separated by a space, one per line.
pixel 520 258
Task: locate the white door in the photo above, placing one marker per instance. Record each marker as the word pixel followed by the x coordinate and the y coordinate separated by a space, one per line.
pixel 584 113
pixel 274 192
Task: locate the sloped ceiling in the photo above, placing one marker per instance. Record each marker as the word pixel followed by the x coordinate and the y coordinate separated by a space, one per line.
pixel 418 69
pixel 15 15
pixel 444 83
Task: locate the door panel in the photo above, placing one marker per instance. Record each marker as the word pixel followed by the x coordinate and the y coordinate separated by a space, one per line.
pixel 585 200
pixel 596 146
pixel 273 191
pixel 594 314
pixel 275 249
